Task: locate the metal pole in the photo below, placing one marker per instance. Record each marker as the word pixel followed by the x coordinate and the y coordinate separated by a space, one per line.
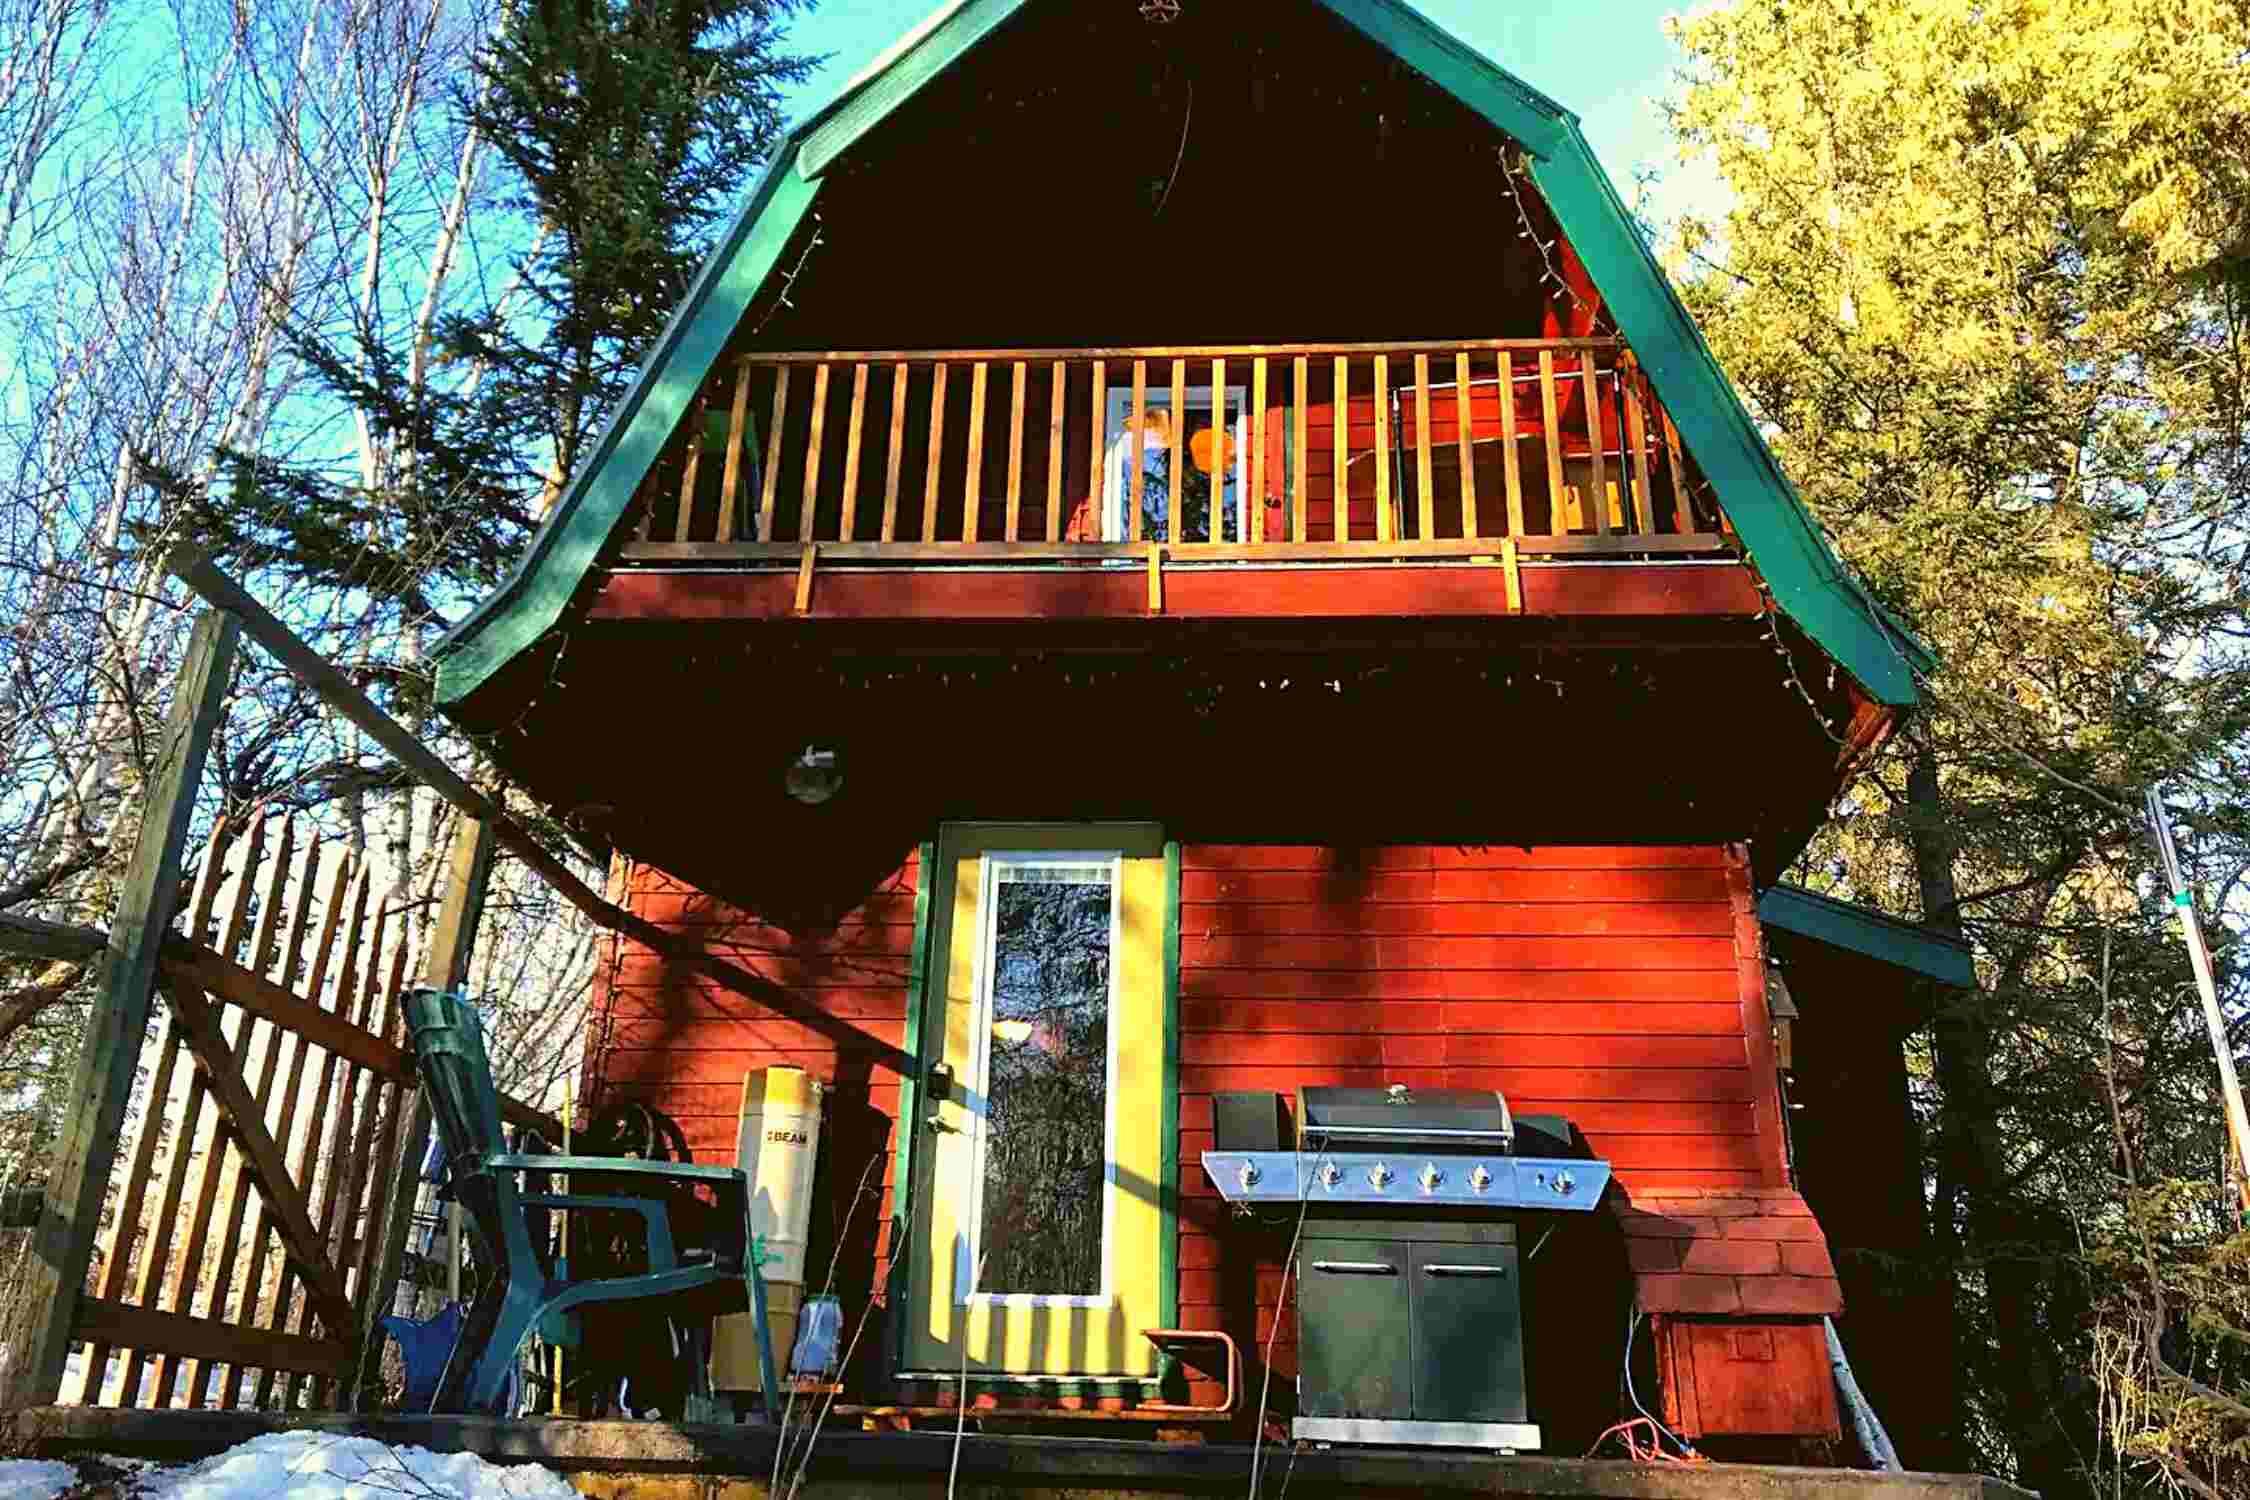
pixel 2199 956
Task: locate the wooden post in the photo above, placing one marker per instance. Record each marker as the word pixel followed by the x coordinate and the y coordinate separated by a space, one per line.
pixel 444 967
pixel 56 1277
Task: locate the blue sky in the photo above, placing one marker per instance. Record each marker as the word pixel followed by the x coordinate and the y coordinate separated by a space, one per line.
pixel 1608 60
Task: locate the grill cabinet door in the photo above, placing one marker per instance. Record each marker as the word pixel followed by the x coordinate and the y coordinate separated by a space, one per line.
pixel 1352 1335
pixel 1468 1334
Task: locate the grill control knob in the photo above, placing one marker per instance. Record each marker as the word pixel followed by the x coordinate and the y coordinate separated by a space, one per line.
pixel 1330 1174
pixel 1480 1177
pixel 1565 1184
pixel 1248 1175
pixel 1430 1177
pixel 1379 1176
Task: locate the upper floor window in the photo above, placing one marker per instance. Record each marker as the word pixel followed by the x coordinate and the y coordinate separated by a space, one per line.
pixel 1214 448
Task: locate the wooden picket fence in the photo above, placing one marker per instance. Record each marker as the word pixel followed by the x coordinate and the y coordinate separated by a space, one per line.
pixel 259 1200
pixel 234 1238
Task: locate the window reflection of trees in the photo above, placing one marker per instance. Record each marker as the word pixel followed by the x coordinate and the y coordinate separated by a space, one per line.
pixel 1047 1091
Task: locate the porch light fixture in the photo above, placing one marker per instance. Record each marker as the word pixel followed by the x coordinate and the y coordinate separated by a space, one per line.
pixel 1160 12
pixel 816 775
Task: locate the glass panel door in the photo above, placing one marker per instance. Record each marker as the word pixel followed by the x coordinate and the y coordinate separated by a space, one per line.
pixel 1038 1157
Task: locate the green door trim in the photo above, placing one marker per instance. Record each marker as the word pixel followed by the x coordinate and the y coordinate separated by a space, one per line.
pixel 909 1104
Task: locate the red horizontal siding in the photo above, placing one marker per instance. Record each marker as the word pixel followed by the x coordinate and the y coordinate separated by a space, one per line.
pixel 1617 986
pixel 1431 886
pixel 1290 919
pixel 674 1038
pixel 1495 1018
pixel 1609 985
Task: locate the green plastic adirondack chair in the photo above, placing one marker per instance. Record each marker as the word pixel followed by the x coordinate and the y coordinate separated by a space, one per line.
pixel 486 1179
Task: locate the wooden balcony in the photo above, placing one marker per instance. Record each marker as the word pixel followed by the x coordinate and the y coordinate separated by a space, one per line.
pixel 1174 457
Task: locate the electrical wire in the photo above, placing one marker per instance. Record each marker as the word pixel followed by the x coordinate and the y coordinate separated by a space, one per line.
pixel 1187 117
pixel 1632 1328
pixel 1288 1269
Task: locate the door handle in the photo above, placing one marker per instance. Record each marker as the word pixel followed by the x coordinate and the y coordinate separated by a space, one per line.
pixel 1356 1267
pixel 1453 1270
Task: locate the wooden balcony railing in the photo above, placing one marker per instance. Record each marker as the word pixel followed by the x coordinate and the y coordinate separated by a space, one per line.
pixel 1213 453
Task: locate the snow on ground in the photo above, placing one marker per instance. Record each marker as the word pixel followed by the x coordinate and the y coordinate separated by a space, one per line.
pixel 324 1466
pixel 34 1479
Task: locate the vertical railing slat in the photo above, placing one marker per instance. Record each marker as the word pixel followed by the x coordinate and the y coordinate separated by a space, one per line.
pixel 1511 461
pixel 1015 453
pixel 935 474
pixel 692 468
pixel 897 451
pixel 1137 461
pixel 1175 523
pixel 1425 503
pixel 1097 433
pixel 1058 392
pixel 1465 442
pixel 1223 444
pixel 1598 484
pixel 1382 447
pixel 854 431
pixel 1254 503
pixel 1683 508
pixel 808 503
pixel 773 453
pixel 1636 433
pixel 1300 421
pixel 738 434
pixel 1552 441
pixel 1340 444
pixel 972 503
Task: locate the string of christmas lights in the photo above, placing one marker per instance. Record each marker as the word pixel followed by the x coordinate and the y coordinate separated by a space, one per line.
pixel 1769 617
pixel 1549 273
pixel 789 281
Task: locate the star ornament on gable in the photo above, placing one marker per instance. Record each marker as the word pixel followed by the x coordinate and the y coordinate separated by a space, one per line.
pixel 1160 12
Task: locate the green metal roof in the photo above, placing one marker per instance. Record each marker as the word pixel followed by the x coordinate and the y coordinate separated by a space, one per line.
pixel 1870 933
pixel 1808 582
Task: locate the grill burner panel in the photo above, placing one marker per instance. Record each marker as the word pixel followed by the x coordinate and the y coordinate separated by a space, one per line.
pixel 1406 1178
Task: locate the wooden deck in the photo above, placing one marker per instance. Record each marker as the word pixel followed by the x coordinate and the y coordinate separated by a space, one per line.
pixel 661 1461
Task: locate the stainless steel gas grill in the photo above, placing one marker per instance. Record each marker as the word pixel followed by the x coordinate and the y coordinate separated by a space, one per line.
pixel 1409 1305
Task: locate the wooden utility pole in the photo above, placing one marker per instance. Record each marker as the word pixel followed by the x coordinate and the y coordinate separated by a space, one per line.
pixel 79 1181
pixel 445 966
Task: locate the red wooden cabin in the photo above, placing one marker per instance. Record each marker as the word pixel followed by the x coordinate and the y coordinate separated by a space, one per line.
pixel 908 613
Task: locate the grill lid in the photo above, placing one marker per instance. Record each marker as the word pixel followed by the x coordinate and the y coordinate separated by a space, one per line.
pixel 1461 1118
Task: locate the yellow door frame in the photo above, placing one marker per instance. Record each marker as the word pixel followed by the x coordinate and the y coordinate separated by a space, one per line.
pixel 1022 1337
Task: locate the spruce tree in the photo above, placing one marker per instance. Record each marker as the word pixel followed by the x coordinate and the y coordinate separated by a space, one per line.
pixel 627 129
pixel 629 126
